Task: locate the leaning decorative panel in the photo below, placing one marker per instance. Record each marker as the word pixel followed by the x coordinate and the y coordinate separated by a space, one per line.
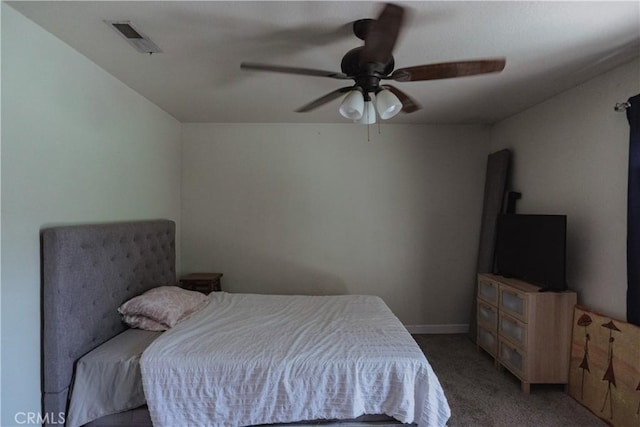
pixel 605 367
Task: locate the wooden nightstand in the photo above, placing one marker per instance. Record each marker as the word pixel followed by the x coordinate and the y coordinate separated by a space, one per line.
pixel 202 282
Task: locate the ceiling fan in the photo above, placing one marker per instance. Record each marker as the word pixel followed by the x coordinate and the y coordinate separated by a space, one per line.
pixel 372 63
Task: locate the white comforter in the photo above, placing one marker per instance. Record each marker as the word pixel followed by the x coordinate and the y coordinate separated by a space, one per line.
pixel 256 359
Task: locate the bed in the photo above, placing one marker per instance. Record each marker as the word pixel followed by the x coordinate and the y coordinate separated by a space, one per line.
pixel 220 366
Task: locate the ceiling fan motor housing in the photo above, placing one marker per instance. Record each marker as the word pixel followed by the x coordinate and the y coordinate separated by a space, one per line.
pixel 367 75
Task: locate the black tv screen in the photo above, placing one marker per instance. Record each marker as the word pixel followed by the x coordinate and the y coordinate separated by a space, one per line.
pixel 533 248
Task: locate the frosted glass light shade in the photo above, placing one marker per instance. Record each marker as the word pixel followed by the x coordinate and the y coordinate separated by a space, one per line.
pixel 353 105
pixel 387 104
pixel 369 114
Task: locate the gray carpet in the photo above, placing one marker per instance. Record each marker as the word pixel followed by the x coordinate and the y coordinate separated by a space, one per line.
pixel 480 395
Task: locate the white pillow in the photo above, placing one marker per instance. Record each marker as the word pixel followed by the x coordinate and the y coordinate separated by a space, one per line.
pixel 164 306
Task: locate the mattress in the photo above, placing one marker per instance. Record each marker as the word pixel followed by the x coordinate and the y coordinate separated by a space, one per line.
pixel 107 380
pixel 258 359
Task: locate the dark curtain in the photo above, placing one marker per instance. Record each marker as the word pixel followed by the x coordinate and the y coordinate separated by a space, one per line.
pixel 633 214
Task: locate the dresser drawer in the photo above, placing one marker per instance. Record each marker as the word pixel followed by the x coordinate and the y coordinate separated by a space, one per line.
pixel 513 330
pixel 512 358
pixel 488 291
pixel 487 316
pixel 514 303
pixel 488 340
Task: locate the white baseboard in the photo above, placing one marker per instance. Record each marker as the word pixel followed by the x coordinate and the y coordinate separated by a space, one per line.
pixel 438 329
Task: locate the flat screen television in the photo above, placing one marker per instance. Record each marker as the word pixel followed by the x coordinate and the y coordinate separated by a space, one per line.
pixel 533 248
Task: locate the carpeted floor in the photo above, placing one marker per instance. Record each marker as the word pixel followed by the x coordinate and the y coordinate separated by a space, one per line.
pixel 480 395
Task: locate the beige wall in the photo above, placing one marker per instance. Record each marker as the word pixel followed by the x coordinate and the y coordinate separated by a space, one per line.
pixel 571 157
pixel 316 209
pixel 77 146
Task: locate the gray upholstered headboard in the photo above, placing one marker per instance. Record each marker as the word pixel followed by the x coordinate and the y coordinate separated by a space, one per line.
pixel 88 271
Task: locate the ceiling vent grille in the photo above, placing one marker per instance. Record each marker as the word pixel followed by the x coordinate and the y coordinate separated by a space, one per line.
pixel 134 37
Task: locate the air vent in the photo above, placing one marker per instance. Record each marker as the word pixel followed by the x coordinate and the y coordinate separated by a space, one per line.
pixel 135 38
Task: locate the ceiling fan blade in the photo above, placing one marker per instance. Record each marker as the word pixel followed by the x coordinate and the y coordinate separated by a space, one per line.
pixel 324 99
pixel 382 36
pixel 409 105
pixel 292 70
pixel 447 70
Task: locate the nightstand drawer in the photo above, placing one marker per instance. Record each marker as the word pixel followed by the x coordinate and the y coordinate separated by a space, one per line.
pixel 513 330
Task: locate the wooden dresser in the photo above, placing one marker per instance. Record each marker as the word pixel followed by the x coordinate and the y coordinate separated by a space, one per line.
pixel 526 331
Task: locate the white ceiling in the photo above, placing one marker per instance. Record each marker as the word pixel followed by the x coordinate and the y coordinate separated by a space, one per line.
pixel 549 46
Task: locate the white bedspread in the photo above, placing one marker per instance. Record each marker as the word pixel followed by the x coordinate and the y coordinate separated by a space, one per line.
pixel 255 359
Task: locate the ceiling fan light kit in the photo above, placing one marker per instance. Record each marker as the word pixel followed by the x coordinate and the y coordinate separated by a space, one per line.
pixel 387 104
pixel 352 106
pixel 369 115
pixel 369 64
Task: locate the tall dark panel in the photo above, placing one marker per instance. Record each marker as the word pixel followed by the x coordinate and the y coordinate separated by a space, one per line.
pixel 633 214
pixel 494 191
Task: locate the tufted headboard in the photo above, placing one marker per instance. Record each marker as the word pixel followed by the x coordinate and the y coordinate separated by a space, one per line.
pixel 87 272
